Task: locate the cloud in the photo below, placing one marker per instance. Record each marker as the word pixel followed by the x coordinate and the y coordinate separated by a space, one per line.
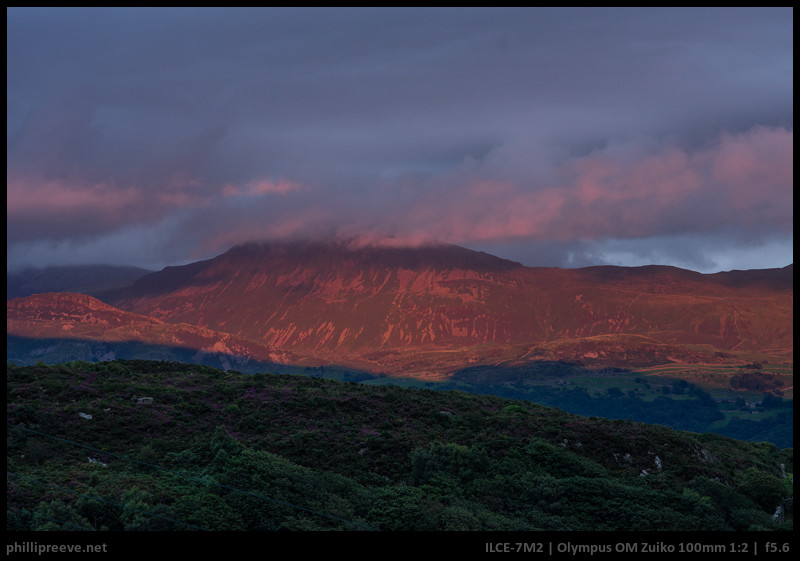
pixel 49 196
pixel 41 208
pixel 737 183
pixel 261 187
pixel 741 181
pixel 556 127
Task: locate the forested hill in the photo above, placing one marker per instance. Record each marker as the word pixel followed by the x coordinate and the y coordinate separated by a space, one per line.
pixel 141 445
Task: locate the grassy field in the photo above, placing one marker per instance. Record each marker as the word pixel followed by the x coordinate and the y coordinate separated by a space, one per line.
pixel 716 379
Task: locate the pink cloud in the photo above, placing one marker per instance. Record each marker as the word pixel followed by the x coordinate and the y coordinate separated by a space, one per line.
pixel 755 171
pixel 744 179
pixel 262 187
pixel 308 222
pixel 740 181
pixel 181 199
pixel 29 195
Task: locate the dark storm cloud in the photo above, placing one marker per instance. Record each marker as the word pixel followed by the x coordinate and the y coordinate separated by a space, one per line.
pixel 173 133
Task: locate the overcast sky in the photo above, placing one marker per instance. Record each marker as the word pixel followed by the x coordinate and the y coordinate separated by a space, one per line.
pixel 554 137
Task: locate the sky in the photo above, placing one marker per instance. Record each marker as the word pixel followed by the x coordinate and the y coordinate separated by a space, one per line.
pixel 553 137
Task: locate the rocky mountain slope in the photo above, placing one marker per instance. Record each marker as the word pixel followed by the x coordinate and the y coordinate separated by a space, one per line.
pixel 78 317
pixel 431 310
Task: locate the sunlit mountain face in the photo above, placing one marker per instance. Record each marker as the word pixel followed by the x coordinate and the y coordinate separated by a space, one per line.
pixel 71 326
pixel 428 311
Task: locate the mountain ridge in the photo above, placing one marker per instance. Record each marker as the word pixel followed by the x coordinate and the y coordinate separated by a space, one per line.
pixel 425 311
pixel 78 316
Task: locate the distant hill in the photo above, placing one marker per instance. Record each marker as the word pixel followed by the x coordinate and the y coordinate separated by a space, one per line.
pixel 56 324
pixel 432 310
pixel 87 279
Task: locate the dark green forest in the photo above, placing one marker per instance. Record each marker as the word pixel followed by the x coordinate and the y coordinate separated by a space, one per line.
pixel 165 446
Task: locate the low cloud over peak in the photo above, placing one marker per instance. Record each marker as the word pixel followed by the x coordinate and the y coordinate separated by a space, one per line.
pixel 604 129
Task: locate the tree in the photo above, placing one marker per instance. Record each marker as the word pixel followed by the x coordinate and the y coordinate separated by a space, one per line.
pixel 766 490
pixel 140 513
pixel 56 515
pixel 208 511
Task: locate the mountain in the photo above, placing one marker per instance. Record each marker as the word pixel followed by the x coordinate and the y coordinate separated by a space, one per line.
pixel 45 326
pixel 86 279
pixel 430 311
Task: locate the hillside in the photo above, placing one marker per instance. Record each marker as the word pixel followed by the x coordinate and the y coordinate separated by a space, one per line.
pixel 176 446
pixel 54 324
pixel 431 311
pixel 63 327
